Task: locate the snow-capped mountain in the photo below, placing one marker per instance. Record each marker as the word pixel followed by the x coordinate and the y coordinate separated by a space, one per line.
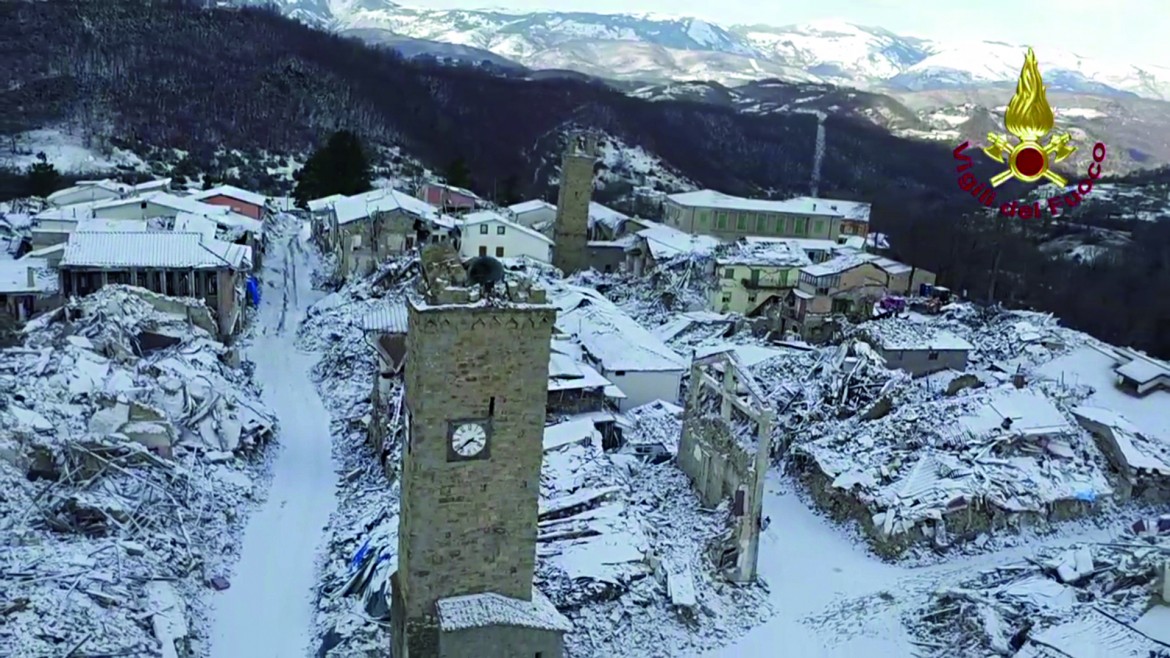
pixel 657 48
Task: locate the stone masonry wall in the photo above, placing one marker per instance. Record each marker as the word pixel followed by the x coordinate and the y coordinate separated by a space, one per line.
pixel 571 230
pixel 470 526
pixel 501 642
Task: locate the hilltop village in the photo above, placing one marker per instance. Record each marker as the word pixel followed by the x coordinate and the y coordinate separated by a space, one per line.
pixel 552 430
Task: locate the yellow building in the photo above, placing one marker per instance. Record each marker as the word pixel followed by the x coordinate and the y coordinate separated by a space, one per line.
pixel 749 274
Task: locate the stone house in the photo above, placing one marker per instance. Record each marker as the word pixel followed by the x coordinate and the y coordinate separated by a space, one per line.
pixel 488 233
pixel 533 213
pixel 709 212
pixel 848 284
pixel 27 286
pixel 244 202
pixel 362 230
pixel 750 274
pixel 917 348
pixel 165 262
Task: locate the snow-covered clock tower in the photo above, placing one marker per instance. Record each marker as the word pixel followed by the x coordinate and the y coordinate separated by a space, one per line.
pixel 476 380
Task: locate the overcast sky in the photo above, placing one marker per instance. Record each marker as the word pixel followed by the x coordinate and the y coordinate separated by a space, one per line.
pixel 1125 31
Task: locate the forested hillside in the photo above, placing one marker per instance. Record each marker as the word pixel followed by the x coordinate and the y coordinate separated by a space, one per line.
pixel 168 73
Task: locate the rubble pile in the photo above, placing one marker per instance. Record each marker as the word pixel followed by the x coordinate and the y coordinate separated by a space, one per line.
pixel 611 525
pixel 1004 339
pixel 683 284
pixel 676 606
pixel 126 441
pixel 362 541
pixel 1111 590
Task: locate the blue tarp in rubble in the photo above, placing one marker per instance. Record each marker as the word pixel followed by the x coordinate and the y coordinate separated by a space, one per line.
pixel 254 290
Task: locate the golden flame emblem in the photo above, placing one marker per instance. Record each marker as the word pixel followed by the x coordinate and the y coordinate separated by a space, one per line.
pixel 1029 118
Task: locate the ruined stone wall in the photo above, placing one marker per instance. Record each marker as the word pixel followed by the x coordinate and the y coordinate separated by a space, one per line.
pixel 501 642
pixel 469 525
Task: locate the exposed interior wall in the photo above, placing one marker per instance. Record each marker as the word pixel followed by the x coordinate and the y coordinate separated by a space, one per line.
pixel 724 450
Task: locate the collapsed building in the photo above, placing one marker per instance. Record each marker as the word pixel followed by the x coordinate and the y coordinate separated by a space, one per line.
pixel 724 449
pixel 1093 599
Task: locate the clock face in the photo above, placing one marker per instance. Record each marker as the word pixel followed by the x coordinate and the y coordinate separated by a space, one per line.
pixel 469 439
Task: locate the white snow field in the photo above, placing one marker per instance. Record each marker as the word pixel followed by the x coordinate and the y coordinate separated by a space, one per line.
pixel 267 611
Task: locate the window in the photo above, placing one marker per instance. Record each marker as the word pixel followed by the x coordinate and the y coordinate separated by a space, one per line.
pixel 721 220
pixel 483 251
pixel 726 298
pixel 802 226
pixel 819 226
pixel 822 291
pixel 704 217
pixel 755 276
pixel 761 223
pixel 752 298
pixel 789 226
pixel 932 356
pixel 619 373
pixel 483 229
pixel 500 230
pixel 729 273
pixel 741 221
pixel 841 305
pixel 499 252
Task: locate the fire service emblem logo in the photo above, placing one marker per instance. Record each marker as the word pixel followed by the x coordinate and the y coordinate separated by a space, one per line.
pixel 1030 155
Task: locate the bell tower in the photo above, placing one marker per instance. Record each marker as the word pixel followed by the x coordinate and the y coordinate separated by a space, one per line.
pixel 571 230
pixel 476 379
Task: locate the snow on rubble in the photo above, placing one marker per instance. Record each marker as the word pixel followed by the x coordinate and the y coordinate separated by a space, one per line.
pixel 621 536
pixel 1086 599
pixel 129 446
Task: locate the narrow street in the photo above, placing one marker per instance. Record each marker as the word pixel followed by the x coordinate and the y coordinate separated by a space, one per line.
pixel 267 611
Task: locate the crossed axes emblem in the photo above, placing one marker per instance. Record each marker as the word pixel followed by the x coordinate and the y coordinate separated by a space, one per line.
pixel 1055 150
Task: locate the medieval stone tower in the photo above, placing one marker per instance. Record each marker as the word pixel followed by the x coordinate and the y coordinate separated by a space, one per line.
pixel 476 388
pixel 571 231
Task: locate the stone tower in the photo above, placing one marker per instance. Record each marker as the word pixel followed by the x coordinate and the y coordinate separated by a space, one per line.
pixel 476 379
pixel 571 231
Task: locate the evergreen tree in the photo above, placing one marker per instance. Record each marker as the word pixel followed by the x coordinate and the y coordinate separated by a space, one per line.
pixel 458 173
pixel 42 178
pixel 510 191
pixel 338 167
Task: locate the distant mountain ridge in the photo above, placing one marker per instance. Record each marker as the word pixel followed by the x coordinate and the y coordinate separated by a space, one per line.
pixel 659 48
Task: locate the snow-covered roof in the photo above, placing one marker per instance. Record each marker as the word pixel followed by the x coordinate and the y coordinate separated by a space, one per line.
pixel 161 249
pixel 1140 368
pixel 799 205
pixel 530 206
pixel 458 613
pixel 1031 413
pixel 221 215
pixel 100 224
pixel 73 211
pixel 665 242
pixel 324 202
pixel 490 216
pixel 361 206
pixel 848 259
pixel 1089 635
pixel 390 317
pixel 568 374
pixel 599 214
pixel 44 252
pixel 611 336
pixel 458 190
pixel 777 253
pixel 892 334
pixel 232 192
pixel 807 244
pixel 15 276
pixel 748 355
pixel 186 222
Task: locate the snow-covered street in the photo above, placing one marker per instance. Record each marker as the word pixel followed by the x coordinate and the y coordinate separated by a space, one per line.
pixel 267 610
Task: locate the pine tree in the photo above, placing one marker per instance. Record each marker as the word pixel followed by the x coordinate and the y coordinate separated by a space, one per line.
pixel 42 178
pixel 458 174
pixel 338 167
